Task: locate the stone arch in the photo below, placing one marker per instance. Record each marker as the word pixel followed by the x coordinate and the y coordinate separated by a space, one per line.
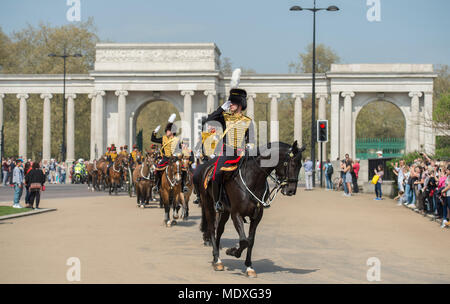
pixel 136 110
pixel 360 103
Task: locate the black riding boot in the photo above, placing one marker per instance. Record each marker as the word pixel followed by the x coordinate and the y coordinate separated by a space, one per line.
pixel 217 191
pixel 183 182
pixel 158 181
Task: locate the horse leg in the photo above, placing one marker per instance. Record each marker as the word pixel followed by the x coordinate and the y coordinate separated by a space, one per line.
pixel 243 242
pixel 221 226
pixel 250 272
pixel 204 227
pixel 210 216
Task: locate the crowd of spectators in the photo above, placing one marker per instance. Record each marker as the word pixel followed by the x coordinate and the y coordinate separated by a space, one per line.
pixel 424 185
pixel 54 171
pixel 31 177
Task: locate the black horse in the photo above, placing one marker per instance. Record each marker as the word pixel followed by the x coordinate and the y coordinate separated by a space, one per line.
pixel 246 192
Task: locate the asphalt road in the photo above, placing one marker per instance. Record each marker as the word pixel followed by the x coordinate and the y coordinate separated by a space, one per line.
pixel 313 237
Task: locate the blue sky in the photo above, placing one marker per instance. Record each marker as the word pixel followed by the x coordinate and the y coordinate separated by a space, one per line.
pixel 261 34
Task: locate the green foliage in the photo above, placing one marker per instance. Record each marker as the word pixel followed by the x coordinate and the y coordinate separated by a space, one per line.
pixel 26 52
pixel 154 114
pixel 325 56
pixel 380 119
pixel 442 147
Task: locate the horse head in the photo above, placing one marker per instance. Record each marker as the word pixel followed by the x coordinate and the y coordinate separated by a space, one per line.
pixel 288 169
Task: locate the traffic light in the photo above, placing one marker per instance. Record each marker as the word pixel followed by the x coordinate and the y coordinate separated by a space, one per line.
pixel 322 130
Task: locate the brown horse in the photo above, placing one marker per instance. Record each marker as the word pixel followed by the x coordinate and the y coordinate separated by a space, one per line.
pixel 144 181
pixel 119 165
pixel 102 167
pixel 92 177
pixel 189 183
pixel 170 192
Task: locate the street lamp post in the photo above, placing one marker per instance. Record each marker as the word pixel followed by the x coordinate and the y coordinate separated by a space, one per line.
pixel 64 56
pixel 315 9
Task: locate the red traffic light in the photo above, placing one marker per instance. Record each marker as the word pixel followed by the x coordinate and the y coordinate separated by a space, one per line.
pixel 322 126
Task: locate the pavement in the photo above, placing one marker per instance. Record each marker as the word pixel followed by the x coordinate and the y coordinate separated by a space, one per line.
pixel 313 237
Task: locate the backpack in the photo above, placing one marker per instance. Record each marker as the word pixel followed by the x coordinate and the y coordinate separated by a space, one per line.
pixel 330 169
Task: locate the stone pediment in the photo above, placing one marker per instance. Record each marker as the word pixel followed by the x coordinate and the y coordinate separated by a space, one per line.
pixel 157 57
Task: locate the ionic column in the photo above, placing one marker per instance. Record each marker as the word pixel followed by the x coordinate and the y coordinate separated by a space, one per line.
pixel 46 129
pixel 428 124
pixel 298 136
pixel 274 123
pixel 251 105
pixel 334 126
pixel 99 121
pixel 122 109
pixel 92 97
pixel 210 101
pixel 348 122
pixel 323 115
pixel 70 158
pixel 414 125
pixel 187 108
pixel 23 132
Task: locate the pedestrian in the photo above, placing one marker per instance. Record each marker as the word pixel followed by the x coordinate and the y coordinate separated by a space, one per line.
pixel 11 171
pixel 328 170
pixel 52 168
pixel 348 175
pixel 355 172
pixel 26 169
pixel 35 180
pixel 445 192
pixel 380 172
pixel 342 177
pixel 5 168
pixel 308 173
pixel 318 167
pixel 17 181
pixel 63 172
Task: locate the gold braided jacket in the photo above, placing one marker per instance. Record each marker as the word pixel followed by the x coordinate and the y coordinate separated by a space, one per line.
pixel 236 126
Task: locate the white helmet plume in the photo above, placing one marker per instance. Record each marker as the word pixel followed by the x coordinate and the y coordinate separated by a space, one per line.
pixel 172 118
pixel 235 78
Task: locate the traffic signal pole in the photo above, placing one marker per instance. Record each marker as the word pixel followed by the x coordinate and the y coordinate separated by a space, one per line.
pixel 321 165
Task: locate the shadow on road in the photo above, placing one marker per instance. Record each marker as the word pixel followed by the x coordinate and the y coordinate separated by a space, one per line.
pixel 264 266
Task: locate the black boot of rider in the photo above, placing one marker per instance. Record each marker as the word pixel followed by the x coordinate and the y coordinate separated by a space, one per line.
pixel 157 181
pixel 216 189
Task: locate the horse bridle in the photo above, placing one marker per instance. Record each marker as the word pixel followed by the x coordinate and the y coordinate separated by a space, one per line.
pixel 175 182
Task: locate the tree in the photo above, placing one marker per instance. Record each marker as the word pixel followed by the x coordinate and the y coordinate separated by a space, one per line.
pixel 325 56
pixel 26 52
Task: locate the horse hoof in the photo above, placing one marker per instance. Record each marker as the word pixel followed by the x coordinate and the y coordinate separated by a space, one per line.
pixel 168 224
pixel 218 266
pixel 251 273
pixel 174 223
pixel 175 216
pixel 142 206
pixel 207 243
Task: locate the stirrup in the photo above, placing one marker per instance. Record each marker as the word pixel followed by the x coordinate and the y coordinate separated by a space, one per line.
pixel 219 207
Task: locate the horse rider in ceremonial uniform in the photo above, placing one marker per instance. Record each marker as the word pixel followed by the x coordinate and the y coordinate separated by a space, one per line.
pixel 235 139
pixel 112 158
pixel 124 152
pixel 170 144
pixel 134 153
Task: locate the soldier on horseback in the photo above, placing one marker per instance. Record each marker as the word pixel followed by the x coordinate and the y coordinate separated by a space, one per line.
pixel 111 158
pixel 170 144
pixel 235 139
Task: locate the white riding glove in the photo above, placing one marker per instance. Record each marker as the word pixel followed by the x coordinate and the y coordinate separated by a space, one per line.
pixel 157 129
pixel 226 105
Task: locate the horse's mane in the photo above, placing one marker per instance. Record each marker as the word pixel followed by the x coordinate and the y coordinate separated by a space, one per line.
pixel 265 150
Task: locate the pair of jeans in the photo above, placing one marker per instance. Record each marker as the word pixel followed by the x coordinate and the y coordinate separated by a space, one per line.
pixel 308 179
pixel 328 181
pixel 5 177
pixel 378 192
pixel 17 193
pixel 446 206
pixel 63 178
pixel 35 195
